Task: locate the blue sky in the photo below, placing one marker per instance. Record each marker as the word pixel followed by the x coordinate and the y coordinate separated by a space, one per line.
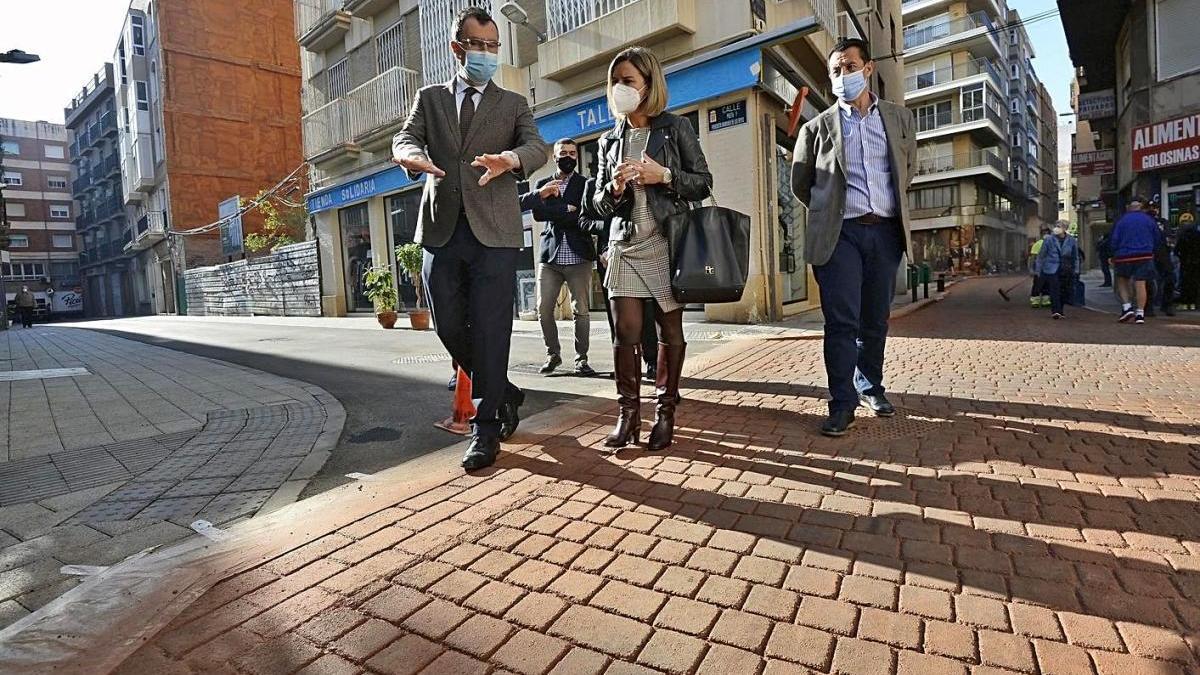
pixel 1052 61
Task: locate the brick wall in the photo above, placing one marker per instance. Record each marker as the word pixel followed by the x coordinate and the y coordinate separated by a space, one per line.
pixel 285 283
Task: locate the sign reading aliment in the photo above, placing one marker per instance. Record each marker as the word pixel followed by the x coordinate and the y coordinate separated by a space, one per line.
pixel 1165 144
pixel 1093 163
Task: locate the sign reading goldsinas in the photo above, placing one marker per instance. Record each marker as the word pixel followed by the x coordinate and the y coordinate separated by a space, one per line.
pixel 1166 144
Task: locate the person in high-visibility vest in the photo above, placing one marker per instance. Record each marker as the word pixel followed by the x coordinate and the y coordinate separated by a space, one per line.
pixel 1037 296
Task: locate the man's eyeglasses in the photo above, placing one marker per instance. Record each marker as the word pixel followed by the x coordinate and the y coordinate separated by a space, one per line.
pixel 475 44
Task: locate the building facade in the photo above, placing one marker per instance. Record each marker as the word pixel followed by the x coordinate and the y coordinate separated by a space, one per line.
pixel 100 218
pixel 43 254
pixel 735 69
pixel 208 108
pixel 1137 99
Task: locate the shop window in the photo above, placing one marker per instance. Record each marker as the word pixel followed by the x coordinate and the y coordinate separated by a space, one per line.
pixel 402 216
pixel 356 243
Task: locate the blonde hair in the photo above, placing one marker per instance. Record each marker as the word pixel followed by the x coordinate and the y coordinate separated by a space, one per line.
pixel 654 101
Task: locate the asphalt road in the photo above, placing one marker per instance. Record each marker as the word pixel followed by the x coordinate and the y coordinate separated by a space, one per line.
pixel 391 383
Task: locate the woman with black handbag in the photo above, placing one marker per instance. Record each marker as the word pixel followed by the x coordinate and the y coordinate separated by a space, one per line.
pixel 651 166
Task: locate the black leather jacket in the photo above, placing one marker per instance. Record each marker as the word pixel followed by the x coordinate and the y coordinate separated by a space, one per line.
pixel 674 144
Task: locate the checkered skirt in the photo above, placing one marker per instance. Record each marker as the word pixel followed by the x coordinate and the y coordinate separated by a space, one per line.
pixel 641 269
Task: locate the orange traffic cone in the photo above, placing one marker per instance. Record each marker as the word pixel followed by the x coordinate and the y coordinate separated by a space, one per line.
pixel 464 408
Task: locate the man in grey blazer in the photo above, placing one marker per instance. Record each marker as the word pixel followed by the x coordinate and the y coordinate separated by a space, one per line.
pixel 852 166
pixel 472 140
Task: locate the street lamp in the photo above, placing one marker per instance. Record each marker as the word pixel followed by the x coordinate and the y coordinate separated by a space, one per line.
pixel 18 56
pixel 517 14
pixel 10 56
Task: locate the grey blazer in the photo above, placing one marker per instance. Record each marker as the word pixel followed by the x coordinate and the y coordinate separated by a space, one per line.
pixel 819 178
pixel 503 122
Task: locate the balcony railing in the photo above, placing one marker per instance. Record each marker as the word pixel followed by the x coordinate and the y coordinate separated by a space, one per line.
pixel 310 13
pixel 111 164
pixel 81 183
pixel 951 73
pixel 952 117
pixel 960 162
pixel 149 229
pixel 326 128
pixel 564 16
pixel 918 37
pixel 107 124
pixel 382 100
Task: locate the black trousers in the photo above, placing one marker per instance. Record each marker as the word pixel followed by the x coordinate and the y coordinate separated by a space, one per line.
pixel 26 316
pixel 649 330
pixel 470 289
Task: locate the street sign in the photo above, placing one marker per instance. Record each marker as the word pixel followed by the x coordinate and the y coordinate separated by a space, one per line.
pixel 1093 162
pixel 1096 105
pixel 728 115
pixel 231 225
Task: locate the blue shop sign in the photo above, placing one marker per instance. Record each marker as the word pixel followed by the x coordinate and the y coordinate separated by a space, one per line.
pixel 708 79
pixel 384 182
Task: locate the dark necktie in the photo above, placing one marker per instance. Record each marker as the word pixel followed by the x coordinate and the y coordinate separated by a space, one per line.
pixel 466 112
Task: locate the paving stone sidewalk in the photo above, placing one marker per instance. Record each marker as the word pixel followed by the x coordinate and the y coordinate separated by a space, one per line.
pixel 125 454
pixel 1032 510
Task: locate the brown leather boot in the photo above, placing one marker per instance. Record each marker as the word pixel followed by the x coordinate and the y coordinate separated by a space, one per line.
pixel 670 365
pixel 628 374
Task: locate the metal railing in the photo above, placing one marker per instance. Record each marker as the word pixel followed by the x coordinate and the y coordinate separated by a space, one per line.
pixel 382 100
pixel 967 160
pixel 564 16
pixel 326 128
pixel 81 183
pixel 107 123
pixel 951 73
pixel 110 164
pixel 309 13
pixel 952 117
pixel 918 37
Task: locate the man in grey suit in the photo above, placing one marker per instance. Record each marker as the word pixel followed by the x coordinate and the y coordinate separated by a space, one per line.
pixel 852 166
pixel 472 140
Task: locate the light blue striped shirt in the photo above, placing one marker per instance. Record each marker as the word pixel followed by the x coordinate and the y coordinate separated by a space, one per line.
pixel 869 185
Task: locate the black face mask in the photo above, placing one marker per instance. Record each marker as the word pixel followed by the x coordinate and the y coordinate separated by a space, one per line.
pixel 566 164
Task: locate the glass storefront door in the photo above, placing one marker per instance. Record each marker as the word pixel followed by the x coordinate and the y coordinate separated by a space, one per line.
pixel 356 244
pixel 402 216
pixel 793 218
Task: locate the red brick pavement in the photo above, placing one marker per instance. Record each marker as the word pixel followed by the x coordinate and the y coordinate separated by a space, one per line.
pixel 1032 510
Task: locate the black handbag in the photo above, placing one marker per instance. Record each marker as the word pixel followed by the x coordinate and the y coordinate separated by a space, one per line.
pixel 710 253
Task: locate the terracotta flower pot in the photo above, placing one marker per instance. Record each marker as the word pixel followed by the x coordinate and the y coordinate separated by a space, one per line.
pixel 419 318
pixel 386 319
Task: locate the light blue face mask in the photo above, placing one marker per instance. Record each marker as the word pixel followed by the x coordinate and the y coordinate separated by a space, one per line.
pixel 849 87
pixel 479 67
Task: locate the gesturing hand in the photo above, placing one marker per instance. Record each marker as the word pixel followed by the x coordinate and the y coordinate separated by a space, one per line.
pixel 420 165
pixel 495 165
pixel 651 172
pixel 551 189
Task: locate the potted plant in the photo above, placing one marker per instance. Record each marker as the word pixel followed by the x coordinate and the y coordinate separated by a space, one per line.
pixel 379 284
pixel 410 257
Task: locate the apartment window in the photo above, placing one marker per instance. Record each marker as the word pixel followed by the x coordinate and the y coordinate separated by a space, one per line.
pixel 339 80
pixel 933 198
pixel 143 95
pixel 60 211
pixel 389 47
pixel 121 58
pixel 1016 105
pixel 1016 70
pixel 1016 172
pixel 933 116
pixel 18 241
pixel 972 103
pixel 10 148
pixel 1012 38
pixel 12 178
pixel 24 270
pixel 139 35
pixel 926 74
pixel 57 183
pixel 15 209
pixel 55 152
pixel 62 241
pixel 1178 23
pixel 64 270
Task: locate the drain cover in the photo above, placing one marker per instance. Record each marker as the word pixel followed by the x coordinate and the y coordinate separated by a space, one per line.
pixel 423 358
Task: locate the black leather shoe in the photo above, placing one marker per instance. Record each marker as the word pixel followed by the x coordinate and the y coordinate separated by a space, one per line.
pixel 481 453
pixel 553 361
pixel 510 413
pixel 838 423
pixel 878 404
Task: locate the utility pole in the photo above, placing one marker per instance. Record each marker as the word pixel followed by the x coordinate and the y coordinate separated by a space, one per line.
pixel 3 242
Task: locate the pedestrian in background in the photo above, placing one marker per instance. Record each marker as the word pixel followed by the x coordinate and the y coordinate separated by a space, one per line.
pixel 651 166
pixel 1187 248
pixel 567 255
pixel 1134 238
pixel 1104 252
pixel 1037 291
pixel 1057 262
pixel 853 164
pixel 1164 265
pixel 25 304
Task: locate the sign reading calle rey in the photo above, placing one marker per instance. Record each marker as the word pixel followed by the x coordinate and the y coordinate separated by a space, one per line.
pixel 1093 163
pixel 1096 105
pixel 1165 144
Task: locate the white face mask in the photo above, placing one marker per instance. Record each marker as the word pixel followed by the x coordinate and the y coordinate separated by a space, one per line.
pixel 625 99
